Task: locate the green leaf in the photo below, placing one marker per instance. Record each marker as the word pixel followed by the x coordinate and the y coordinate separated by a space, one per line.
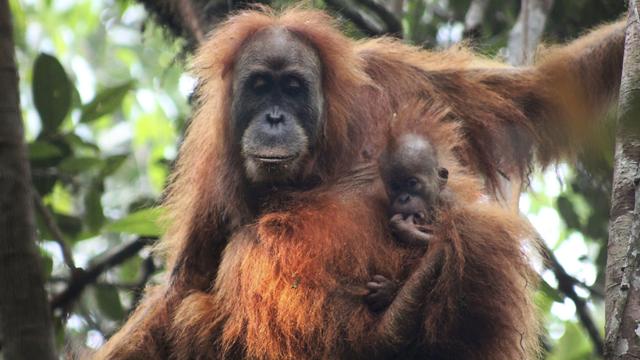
pixel 39 150
pixel 78 143
pixel 105 102
pixel 51 92
pixel 94 214
pixel 79 164
pixel 109 302
pixel 144 223
pixel 71 226
pixel 47 264
pixel 551 292
pixel 112 164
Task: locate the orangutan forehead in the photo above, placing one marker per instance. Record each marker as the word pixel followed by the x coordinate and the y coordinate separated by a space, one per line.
pixel 414 152
pixel 276 49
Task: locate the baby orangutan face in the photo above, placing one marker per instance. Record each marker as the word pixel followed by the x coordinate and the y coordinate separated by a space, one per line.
pixel 412 176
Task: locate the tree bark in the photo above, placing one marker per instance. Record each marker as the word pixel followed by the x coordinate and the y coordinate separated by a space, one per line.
pixel 527 32
pixel 25 321
pixel 622 328
pixel 474 18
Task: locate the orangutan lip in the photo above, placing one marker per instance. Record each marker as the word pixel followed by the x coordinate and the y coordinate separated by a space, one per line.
pixel 274 159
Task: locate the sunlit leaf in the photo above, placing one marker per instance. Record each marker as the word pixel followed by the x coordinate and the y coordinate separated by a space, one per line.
pixel 144 223
pixel 39 150
pixel 51 92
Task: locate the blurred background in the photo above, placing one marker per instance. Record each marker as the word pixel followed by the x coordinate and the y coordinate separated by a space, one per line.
pixel 105 97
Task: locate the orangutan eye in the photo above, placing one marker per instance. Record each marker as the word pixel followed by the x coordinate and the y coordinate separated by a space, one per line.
pixel 259 83
pixel 412 183
pixel 292 84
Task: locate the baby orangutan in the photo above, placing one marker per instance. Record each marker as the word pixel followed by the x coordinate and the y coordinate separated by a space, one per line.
pixel 414 182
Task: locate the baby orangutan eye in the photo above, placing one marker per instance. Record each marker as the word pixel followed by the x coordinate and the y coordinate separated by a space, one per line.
pixel 412 183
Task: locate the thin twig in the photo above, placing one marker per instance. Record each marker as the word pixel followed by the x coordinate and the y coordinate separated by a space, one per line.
pixel 51 224
pixel 566 285
pixel 148 267
pixel 84 278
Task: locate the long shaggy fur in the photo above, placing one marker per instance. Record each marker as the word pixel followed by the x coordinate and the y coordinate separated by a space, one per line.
pixel 284 278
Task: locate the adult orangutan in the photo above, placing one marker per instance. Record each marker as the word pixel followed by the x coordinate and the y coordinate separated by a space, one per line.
pixel 278 220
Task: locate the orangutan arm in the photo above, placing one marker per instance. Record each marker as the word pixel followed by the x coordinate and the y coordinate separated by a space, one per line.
pixel 401 321
pixel 143 335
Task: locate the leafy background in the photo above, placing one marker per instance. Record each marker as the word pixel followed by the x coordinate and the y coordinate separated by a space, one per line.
pixel 105 98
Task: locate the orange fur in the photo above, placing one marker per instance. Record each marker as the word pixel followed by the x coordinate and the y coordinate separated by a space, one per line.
pixel 291 286
pixel 286 280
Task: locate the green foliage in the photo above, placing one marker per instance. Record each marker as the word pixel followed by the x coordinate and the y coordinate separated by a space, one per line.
pixel 51 92
pixel 108 302
pixel 144 223
pixel 573 345
pixel 104 102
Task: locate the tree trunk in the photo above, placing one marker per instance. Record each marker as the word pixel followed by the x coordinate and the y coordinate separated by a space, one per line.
pixel 25 321
pixel 475 17
pixel 623 268
pixel 527 32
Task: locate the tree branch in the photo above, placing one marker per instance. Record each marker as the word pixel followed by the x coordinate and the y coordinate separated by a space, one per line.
pixel 393 26
pixel 181 17
pixel 390 25
pixel 566 285
pixel 84 278
pixel 365 25
pixel 58 237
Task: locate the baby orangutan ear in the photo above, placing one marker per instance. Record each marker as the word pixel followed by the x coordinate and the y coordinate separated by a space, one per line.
pixel 443 175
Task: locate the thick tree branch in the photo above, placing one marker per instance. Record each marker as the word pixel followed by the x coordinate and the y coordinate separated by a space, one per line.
pixel 359 16
pixel 25 320
pixel 84 278
pixel 623 257
pixel 364 24
pixel 391 22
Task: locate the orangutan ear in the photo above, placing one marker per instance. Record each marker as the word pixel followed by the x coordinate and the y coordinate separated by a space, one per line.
pixel 443 176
